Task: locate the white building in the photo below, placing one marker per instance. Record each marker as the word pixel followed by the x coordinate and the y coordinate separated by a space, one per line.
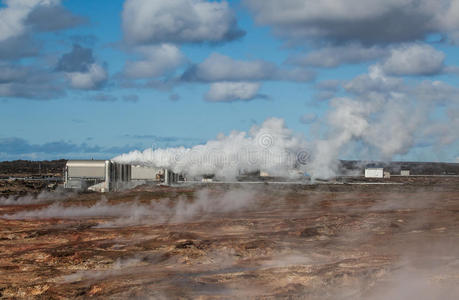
pixel 405 173
pixel 374 173
pixel 97 175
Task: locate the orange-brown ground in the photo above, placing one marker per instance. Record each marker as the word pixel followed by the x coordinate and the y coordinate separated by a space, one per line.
pixel 288 241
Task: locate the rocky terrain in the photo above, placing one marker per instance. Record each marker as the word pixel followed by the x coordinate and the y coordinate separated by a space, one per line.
pixel 27 168
pixel 238 241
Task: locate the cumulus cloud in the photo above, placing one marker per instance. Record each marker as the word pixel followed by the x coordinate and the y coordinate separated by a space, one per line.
pixel 376 84
pixel 78 60
pixel 178 21
pixel 18 47
pixel 232 91
pixel 219 67
pixel 94 78
pixel 368 22
pixel 81 69
pixel 28 82
pixel 155 61
pixel 414 59
pixel 19 17
pixel 20 21
pixel 331 57
pixel 52 16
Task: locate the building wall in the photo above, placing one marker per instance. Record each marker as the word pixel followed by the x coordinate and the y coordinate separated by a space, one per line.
pixel 86 169
pixel 374 173
pixel 106 175
pixel 144 173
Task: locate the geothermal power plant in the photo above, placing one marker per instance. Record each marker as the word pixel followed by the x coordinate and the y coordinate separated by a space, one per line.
pixel 103 229
pixel 110 176
pixel 105 175
pixel 229 149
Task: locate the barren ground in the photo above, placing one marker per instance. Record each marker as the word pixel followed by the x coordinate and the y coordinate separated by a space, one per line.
pixel 255 241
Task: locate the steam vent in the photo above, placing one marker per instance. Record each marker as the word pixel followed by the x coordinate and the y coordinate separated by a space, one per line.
pixel 229 149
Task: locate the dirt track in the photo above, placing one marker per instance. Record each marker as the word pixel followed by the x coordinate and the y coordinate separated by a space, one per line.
pixel 271 241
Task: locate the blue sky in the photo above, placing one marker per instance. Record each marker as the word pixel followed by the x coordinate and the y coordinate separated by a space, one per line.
pixel 287 59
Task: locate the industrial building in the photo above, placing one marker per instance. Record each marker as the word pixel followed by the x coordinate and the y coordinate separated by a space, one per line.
pixel 107 176
pixel 146 173
pixel 98 175
pixel 374 173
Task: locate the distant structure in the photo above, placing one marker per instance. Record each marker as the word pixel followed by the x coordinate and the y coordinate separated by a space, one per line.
pixel 96 175
pixel 141 173
pixel 386 174
pixel 107 176
pixel 405 173
pixel 374 173
pixel 170 177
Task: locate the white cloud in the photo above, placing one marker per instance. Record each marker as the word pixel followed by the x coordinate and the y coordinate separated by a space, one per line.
pixel 414 59
pixel 155 61
pixel 330 57
pixel 376 85
pixel 28 82
pixel 365 21
pixel 219 67
pixel 13 16
pixel 20 16
pixel 232 91
pixel 178 21
pixel 92 79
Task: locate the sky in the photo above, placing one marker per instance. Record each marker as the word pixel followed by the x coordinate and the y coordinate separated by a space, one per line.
pixel 357 79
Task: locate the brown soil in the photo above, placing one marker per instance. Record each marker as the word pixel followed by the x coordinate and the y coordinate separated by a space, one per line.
pixel 292 242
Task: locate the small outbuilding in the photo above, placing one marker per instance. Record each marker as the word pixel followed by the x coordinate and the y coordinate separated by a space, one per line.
pixel 374 173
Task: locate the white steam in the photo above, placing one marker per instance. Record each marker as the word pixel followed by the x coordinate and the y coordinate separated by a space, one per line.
pixel 43 197
pixel 381 116
pixel 135 213
pixel 271 147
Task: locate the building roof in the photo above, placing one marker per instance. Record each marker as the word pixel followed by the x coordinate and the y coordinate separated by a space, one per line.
pixel 86 163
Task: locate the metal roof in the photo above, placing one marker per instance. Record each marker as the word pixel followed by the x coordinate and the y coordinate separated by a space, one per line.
pixel 86 163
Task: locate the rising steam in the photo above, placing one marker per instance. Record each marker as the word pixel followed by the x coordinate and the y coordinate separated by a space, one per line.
pixel 180 210
pixel 270 147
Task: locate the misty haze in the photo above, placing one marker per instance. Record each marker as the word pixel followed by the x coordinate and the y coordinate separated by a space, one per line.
pixel 229 149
